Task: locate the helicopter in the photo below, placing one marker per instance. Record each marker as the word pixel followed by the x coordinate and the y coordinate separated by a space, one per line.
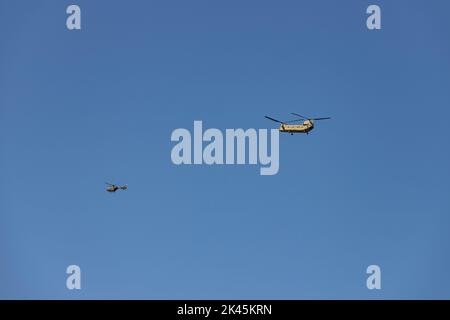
pixel 306 127
pixel 113 188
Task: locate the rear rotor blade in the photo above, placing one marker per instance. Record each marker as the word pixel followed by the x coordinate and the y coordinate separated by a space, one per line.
pixel 321 118
pixel 273 119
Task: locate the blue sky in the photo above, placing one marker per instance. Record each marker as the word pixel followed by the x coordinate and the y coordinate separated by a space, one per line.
pixel 370 186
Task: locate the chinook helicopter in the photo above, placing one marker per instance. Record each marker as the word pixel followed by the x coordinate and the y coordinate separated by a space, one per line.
pixel 305 127
pixel 113 188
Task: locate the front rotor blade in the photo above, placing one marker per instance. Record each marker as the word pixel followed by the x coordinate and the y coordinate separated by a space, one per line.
pixel 291 121
pixel 298 115
pixel 321 118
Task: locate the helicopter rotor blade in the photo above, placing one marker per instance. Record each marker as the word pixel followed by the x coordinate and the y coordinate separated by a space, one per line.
pixel 298 115
pixel 273 119
pixel 110 184
pixel 321 118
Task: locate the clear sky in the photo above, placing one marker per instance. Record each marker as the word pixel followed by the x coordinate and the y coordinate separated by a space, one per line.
pixel 369 186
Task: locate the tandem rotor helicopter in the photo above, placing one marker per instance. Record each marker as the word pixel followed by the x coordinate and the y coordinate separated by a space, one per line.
pixel 306 127
pixel 113 187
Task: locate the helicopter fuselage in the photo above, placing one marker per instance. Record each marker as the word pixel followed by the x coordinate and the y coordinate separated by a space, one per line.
pixel 306 127
pixel 112 188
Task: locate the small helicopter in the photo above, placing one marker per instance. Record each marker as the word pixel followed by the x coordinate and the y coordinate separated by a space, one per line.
pixel 113 188
pixel 306 127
